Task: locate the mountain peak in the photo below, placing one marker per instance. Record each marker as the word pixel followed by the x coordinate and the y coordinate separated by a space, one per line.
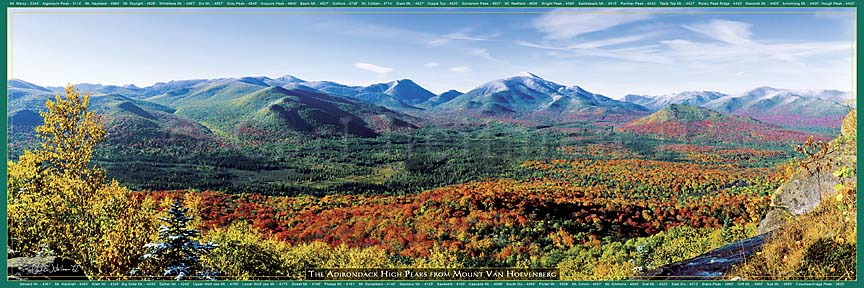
pixel 529 75
pixel 405 81
pixel 763 90
pixel 398 93
pixel 290 79
pixel 635 97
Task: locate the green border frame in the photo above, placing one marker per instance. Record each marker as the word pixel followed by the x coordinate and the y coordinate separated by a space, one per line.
pixel 428 3
pixel 35 4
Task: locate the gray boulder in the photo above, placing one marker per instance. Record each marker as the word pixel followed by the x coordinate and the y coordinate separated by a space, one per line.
pixel 805 189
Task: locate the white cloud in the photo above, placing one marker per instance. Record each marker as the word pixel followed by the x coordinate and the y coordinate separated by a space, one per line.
pixel 460 69
pixel 738 45
pixel 373 68
pixel 540 46
pixel 611 41
pixel 443 40
pixel 647 54
pixel 754 52
pixel 732 32
pixel 734 44
pixel 483 53
pixel 562 24
pixel 590 44
pixel 463 36
pixel 431 65
pixel 438 42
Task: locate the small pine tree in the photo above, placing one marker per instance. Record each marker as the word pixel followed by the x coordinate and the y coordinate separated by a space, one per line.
pixel 178 250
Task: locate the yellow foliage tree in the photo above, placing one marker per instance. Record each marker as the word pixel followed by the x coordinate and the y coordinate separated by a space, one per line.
pixel 59 203
pixel 438 258
pixel 243 253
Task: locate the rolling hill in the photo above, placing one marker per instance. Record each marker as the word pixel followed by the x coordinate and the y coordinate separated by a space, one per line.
pixel 690 123
pixel 130 123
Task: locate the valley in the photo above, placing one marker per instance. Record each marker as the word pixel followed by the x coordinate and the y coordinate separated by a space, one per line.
pixel 518 172
pixel 287 136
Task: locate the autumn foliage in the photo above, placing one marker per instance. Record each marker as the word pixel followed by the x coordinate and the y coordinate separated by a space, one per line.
pixel 60 204
pixel 507 222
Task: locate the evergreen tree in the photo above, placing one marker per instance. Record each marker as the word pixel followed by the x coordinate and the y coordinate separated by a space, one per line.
pixel 178 250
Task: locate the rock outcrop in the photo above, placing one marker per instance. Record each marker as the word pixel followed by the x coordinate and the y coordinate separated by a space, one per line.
pixel 807 187
pixel 708 266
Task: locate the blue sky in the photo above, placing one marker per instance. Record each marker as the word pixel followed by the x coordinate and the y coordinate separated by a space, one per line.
pixel 606 51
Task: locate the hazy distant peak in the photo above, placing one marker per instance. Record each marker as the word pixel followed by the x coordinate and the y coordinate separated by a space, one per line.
pixel 21 84
pixel 289 79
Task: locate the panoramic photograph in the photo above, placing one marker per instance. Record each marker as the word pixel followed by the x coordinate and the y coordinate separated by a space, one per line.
pixel 431 144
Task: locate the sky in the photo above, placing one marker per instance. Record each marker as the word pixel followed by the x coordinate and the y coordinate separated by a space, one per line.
pixel 613 52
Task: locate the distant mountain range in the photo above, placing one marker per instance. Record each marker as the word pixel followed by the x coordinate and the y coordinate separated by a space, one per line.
pixel 784 107
pixel 287 106
pixel 692 98
pixel 249 108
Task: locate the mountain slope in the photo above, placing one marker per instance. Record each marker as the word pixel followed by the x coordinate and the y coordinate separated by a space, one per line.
pixel 20 90
pixel 204 92
pixel 276 113
pixel 24 118
pixel 21 84
pixel 97 89
pixel 128 122
pixel 440 99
